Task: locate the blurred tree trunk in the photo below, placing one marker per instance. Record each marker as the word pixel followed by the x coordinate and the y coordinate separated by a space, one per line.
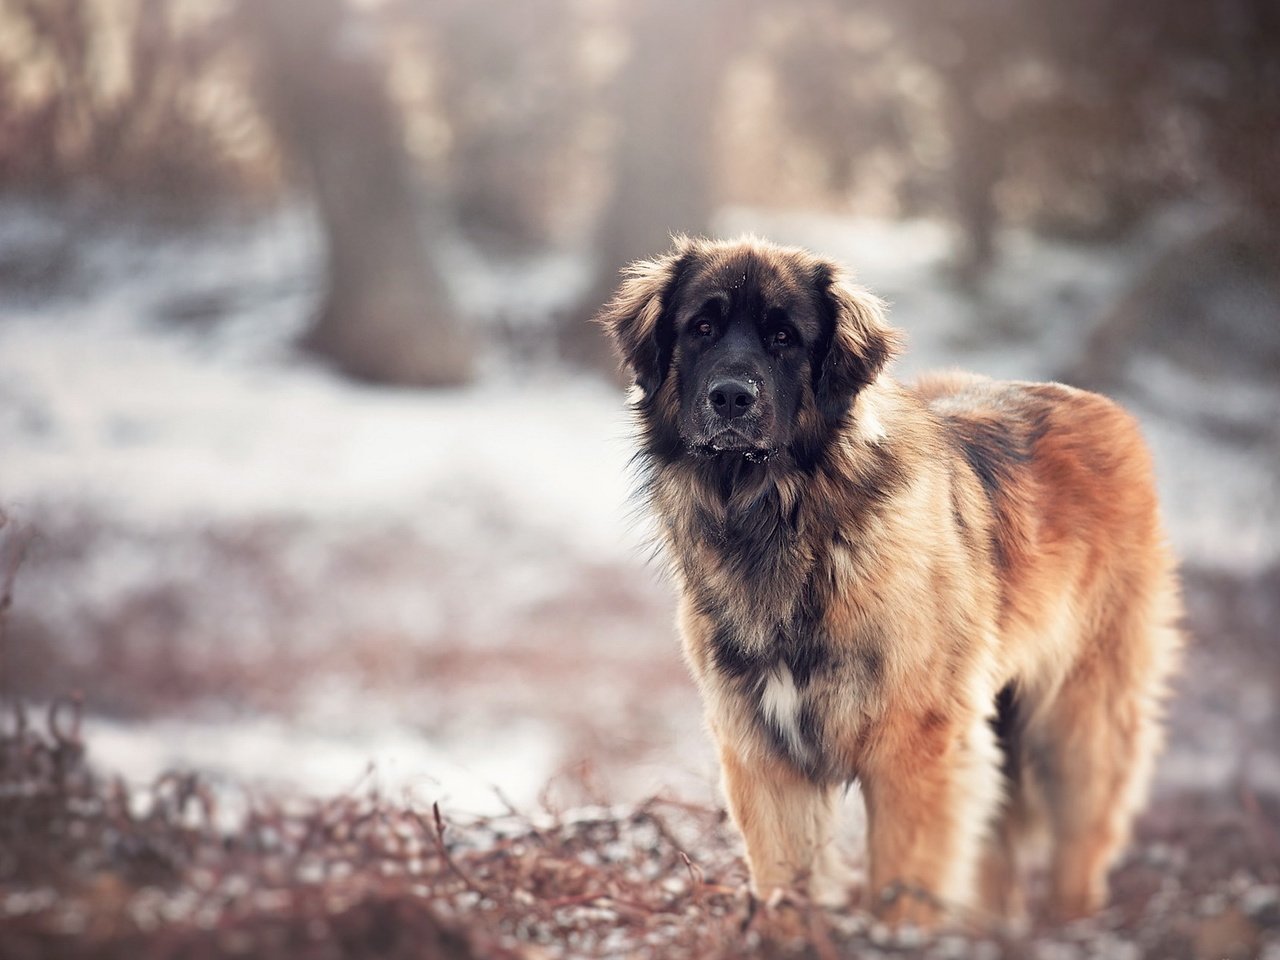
pixel 968 47
pixel 664 105
pixel 976 145
pixel 386 314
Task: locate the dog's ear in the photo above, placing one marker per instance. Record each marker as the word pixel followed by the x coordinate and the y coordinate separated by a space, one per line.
pixel 634 317
pixel 859 344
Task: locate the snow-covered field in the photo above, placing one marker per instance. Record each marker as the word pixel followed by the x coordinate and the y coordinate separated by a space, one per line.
pixel 259 569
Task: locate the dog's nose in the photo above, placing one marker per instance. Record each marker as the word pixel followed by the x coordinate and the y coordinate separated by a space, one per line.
pixel 732 398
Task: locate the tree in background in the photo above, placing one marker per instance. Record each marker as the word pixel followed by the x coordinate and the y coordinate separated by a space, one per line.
pixel 663 111
pixel 1202 78
pixel 386 314
pixel 603 126
pixel 508 99
pixel 113 100
pixel 987 112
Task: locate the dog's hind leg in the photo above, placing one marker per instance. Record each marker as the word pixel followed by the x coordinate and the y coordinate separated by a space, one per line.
pixel 1093 747
pixel 1002 900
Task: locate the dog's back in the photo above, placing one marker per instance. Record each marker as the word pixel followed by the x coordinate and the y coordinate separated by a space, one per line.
pixel 1089 608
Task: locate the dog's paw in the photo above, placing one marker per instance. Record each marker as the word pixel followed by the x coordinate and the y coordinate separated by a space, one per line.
pixel 834 894
pixel 902 907
pixel 781 916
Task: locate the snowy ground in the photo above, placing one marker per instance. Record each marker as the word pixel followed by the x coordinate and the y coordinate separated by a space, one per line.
pixel 260 570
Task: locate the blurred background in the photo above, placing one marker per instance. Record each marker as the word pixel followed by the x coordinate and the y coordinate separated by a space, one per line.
pixel 312 458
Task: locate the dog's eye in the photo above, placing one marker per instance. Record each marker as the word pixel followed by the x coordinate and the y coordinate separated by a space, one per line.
pixel 782 337
pixel 704 328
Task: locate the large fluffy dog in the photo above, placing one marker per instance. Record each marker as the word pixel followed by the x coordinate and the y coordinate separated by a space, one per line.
pixel 956 593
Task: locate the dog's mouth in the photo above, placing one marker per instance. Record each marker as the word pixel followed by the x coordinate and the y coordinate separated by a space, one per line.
pixel 734 442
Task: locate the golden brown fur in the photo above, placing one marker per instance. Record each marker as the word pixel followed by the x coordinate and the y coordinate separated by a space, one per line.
pixel 956 593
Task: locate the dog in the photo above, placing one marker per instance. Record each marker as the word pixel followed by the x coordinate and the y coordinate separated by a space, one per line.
pixel 955 593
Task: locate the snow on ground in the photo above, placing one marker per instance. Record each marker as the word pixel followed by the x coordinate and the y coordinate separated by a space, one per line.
pixel 452 582
pixel 273 753
pixel 132 424
pixel 105 407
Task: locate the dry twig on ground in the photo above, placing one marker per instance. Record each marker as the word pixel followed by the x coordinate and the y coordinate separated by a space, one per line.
pixel 89 868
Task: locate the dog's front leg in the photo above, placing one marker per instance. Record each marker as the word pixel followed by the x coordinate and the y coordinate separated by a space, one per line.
pixel 932 785
pixel 787 821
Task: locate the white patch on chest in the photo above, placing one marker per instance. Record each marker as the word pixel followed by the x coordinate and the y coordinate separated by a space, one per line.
pixel 780 704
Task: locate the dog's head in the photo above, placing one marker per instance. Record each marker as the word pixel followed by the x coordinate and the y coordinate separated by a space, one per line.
pixel 745 349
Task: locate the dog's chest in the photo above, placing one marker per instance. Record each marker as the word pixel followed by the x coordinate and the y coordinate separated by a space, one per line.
pixel 763 590
pixel 783 688
pixel 808 690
